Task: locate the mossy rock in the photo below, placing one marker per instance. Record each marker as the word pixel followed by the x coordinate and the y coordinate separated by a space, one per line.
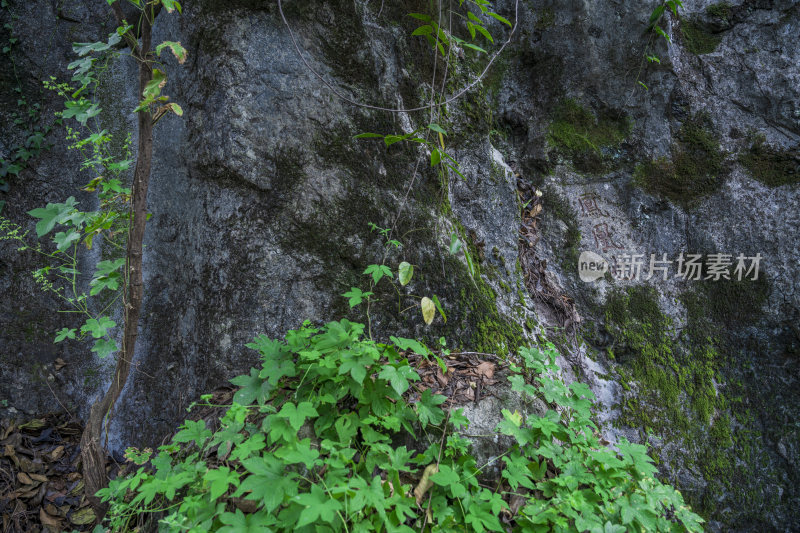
pixel 693 172
pixel 560 208
pixel 698 38
pixel 722 11
pixel 736 302
pixel 772 166
pixel 585 138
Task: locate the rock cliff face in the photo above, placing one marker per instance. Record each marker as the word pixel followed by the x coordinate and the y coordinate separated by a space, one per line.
pixel 261 198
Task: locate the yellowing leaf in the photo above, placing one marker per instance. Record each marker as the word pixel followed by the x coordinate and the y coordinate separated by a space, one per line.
pixel 428 309
pixel 405 271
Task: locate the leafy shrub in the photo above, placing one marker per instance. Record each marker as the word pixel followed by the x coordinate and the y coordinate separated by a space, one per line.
pixel 307 445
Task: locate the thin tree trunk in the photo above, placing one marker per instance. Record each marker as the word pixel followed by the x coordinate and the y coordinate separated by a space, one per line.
pixel 92 453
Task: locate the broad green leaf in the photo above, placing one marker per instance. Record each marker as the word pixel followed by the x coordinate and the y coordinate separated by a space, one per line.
pixel 297 414
pixel 253 388
pixel 446 476
pixel 52 215
pixel 66 239
pixel 378 272
pixel 356 296
pixel 98 327
pixel 193 431
pixel 398 377
pixel 428 409
pixel 404 272
pixel 65 333
pixel 104 347
pixel 437 128
pixel 219 479
pixel 300 452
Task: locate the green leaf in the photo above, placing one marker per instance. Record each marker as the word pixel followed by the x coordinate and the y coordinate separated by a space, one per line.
pixel 175 47
pixel 297 414
pixel 410 344
pixel 98 327
pixel 51 215
pixel 104 347
pixel 193 431
pixel 436 157
pixel 378 272
pixel 398 377
pixel 219 480
pixel 64 240
pixel 439 307
pixel 301 452
pixel 368 136
pixel 267 482
pixel 483 31
pixel 661 32
pixel 154 86
pixel 475 47
pixel 317 506
pixel 445 477
pixel 437 128
pixel 427 29
pixel 65 333
pixel 404 273
pixel 656 14
pixel 428 409
pixel 455 244
pixel 253 388
pixel 501 19
pixel 356 296
pixel 170 6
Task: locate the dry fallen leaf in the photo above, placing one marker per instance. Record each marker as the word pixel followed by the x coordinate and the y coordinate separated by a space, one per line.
pixel 50 522
pixel 22 477
pixel 486 369
pixel 59 363
pixel 56 454
pixel 425 483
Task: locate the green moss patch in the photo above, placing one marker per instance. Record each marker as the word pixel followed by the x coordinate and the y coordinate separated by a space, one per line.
pixel 695 169
pixel 735 302
pixel 721 11
pixel 697 38
pixel 772 166
pixel 587 138
pixel 546 19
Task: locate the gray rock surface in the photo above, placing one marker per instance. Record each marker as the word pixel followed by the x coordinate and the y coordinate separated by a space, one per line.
pixel 261 199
